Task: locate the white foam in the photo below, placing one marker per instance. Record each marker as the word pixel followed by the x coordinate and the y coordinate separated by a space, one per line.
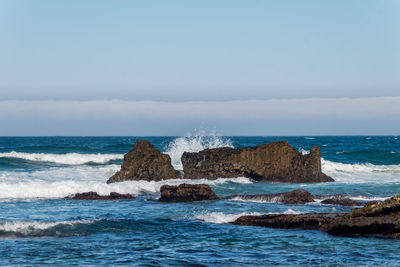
pixel 361 173
pixel 193 143
pixel 276 199
pixel 68 158
pixel 365 198
pixel 27 227
pixel 288 211
pixel 220 217
pixel 62 182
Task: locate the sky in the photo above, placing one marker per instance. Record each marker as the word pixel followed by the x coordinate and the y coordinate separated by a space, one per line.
pixel 247 67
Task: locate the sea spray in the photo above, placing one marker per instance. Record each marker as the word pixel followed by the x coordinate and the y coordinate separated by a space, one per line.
pixel 194 143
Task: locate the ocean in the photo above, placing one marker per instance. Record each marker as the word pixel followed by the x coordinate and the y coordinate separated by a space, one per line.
pixel 38 225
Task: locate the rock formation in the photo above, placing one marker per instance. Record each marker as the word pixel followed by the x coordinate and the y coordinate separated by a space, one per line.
pixel 95 196
pixel 187 193
pixel 298 196
pixel 342 201
pixel 273 162
pixel 145 162
pixel 375 219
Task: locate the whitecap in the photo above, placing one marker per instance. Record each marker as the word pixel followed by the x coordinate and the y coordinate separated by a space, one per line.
pixel 68 158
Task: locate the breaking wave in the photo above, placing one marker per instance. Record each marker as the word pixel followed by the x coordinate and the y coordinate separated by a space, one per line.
pixel 67 159
pixel 361 173
pixel 62 182
pixel 194 143
pixel 38 228
pixel 220 217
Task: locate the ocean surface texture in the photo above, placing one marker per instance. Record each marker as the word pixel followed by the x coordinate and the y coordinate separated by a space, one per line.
pixel 39 226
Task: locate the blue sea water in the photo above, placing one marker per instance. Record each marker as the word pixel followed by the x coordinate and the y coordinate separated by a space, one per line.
pixel 39 226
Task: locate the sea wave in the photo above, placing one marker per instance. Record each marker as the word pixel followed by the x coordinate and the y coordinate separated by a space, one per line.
pixel 220 217
pixel 35 227
pixel 67 159
pixel 62 182
pixel 361 173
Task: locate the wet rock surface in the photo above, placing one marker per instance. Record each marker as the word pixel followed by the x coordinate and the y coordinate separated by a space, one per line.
pixel 145 162
pixel 342 201
pixel 375 219
pixel 95 196
pixel 273 162
pixel 298 196
pixel 187 193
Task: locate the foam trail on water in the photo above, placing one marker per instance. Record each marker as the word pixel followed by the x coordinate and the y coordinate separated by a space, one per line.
pixel 68 159
pixel 193 143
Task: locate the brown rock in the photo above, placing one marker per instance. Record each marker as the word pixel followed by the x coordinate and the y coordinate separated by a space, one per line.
pixel 273 162
pixel 376 219
pixel 145 162
pixel 298 196
pixel 95 196
pixel 186 193
pixel 342 201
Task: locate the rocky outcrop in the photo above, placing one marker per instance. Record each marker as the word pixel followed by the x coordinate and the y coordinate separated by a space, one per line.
pixel 342 201
pixel 298 196
pixel 375 219
pixel 95 196
pixel 187 193
pixel 145 162
pixel 273 162
pixel 309 221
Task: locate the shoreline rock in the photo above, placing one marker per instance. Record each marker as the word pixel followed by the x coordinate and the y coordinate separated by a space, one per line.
pixel 374 220
pixel 145 162
pixel 341 201
pixel 273 162
pixel 298 196
pixel 187 193
pixel 95 196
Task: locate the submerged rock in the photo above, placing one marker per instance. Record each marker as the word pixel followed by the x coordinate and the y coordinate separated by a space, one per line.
pixel 145 162
pixel 342 201
pixel 187 193
pixel 273 162
pixel 375 219
pixel 95 196
pixel 298 196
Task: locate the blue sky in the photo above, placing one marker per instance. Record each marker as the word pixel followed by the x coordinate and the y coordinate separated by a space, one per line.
pixel 190 51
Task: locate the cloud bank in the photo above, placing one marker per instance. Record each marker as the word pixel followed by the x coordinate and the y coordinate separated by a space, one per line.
pixel 310 116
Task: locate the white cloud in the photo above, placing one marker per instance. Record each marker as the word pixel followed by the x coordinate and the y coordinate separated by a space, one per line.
pixel 268 117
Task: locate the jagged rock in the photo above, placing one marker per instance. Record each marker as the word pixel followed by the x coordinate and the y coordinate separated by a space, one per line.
pixel 95 196
pixel 273 162
pixel 145 162
pixel 375 219
pixel 298 196
pixel 187 193
pixel 342 201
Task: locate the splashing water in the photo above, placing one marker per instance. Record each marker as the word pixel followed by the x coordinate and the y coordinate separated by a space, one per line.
pixel 194 143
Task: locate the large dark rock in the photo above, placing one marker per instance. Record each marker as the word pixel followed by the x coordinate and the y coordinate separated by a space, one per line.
pixel 187 193
pixel 375 219
pixel 145 162
pixel 273 162
pixel 298 196
pixel 94 196
pixel 312 221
